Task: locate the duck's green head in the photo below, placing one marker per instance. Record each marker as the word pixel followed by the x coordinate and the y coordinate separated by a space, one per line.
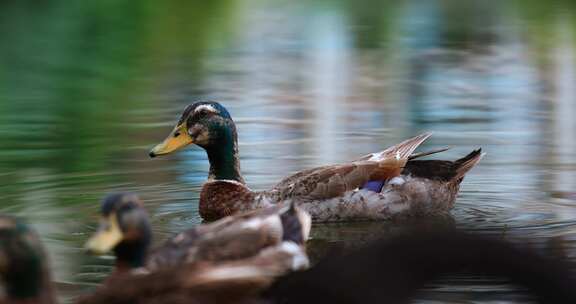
pixel 124 228
pixel 207 124
pixel 23 271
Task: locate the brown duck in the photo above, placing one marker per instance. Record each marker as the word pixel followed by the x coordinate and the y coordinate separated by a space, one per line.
pixel 378 186
pixel 125 230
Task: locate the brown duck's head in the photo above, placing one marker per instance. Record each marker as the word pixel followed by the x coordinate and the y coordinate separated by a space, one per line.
pixel 124 228
pixel 206 124
pixel 24 276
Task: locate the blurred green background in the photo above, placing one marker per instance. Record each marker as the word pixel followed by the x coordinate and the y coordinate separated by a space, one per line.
pixel 87 87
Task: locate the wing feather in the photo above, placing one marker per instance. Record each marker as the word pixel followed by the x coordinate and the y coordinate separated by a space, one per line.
pixel 331 181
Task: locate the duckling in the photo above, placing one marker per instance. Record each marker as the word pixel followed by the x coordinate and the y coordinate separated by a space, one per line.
pixel 379 186
pixel 125 229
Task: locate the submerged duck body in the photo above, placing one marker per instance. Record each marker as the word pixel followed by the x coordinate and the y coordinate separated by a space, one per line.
pixel 378 186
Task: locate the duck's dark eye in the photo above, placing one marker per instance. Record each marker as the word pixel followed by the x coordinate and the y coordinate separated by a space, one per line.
pixel 177 133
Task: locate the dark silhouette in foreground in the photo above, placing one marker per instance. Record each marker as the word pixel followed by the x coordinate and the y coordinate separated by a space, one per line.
pixel 385 271
pixel 394 271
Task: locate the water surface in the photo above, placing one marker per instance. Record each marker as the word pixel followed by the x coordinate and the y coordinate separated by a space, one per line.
pixel 87 87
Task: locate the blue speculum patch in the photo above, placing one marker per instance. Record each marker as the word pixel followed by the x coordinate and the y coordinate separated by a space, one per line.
pixel 375 186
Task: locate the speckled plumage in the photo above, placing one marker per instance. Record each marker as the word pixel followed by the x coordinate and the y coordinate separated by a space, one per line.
pixel 341 192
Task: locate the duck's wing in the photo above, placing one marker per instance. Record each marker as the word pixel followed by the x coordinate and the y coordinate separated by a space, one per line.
pixel 234 237
pixel 388 151
pixel 332 181
pixel 240 238
pixel 173 251
pixel 267 264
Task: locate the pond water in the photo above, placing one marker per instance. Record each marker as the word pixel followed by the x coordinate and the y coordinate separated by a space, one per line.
pixel 87 87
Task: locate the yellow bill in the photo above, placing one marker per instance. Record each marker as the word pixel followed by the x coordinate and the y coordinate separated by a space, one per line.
pixel 107 236
pixel 177 139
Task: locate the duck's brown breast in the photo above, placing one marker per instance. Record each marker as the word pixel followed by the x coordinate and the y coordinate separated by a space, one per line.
pixel 220 198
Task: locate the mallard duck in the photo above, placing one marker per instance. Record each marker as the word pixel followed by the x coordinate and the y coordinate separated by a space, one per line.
pixel 378 186
pixel 124 229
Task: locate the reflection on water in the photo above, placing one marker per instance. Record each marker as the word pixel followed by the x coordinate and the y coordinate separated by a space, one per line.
pixel 86 88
